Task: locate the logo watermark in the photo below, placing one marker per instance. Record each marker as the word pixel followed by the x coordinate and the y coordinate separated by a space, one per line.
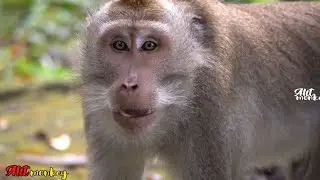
pixel 305 94
pixel 17 170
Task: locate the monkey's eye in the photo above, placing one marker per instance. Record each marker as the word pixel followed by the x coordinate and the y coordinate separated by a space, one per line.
pixel 149 46
pixel 120 46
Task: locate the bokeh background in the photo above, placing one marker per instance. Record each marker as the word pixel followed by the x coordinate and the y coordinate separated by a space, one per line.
pixel 40 112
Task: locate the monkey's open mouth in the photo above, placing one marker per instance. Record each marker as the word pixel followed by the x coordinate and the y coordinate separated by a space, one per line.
pixel 134 120
pixel 135 113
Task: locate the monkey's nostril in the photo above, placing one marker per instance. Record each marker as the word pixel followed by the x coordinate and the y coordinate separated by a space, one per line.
pixel 124 86
pixel 134 87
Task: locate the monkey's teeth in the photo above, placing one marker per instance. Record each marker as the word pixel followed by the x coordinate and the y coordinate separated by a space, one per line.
pixel 125 114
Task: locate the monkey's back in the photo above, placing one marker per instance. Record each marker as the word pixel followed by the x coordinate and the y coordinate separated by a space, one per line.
pixel 277 50
pixel 286 46
pixel 294 29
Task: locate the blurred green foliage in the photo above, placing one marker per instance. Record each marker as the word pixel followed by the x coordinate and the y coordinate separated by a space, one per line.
pixel 19 70
pixel 32 28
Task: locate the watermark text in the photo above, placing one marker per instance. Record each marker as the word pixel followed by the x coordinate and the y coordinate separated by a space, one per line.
pixel 305 94
pixel 17 170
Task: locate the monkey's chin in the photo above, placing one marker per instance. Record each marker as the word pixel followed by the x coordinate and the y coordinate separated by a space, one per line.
pixel 134 121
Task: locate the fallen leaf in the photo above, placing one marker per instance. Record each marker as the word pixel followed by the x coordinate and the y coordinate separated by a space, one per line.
pixel 4 124
pixel 60 143
pixel 154 176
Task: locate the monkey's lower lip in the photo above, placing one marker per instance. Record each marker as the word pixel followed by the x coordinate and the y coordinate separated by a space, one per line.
pixel 135 113
pixel 134 120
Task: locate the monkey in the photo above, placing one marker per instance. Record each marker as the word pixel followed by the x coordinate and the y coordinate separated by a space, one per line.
pixel 214 90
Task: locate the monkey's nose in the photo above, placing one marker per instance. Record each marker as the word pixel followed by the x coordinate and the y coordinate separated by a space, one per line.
pixel 129 86
pixel 130 83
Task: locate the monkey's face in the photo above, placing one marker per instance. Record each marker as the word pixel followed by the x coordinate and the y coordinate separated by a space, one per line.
pixel 137 55
pixel 137 71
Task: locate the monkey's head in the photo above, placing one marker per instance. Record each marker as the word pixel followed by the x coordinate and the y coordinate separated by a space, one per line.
pixel 138 63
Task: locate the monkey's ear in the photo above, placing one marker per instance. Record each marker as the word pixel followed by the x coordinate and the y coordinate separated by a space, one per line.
pixel 89 12
pixel 197 19
pixel 198 27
